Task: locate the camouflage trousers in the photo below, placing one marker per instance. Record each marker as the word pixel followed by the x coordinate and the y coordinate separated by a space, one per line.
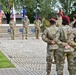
pixel 12 33
pixel 60 57
pixel 49 58
pixel 25 31
pixel 37 33
pixel 74 64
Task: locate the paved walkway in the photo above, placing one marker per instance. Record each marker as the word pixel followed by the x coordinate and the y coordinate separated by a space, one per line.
pixel 28 56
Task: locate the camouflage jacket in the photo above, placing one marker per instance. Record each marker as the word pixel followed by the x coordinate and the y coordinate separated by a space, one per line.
pixel 12 24
pixel 48 36
pixel 72 38
pixel 25 22
pixel 59 23
pixel 37 23
pixel 63 35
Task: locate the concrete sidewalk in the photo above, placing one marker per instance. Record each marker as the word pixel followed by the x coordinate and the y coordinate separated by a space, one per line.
pixel 29 56
pixel 10 71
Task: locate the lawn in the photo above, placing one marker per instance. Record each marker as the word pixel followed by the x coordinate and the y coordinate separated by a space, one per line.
pixel 4 61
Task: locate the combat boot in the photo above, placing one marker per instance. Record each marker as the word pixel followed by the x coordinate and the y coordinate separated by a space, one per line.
pixel 48 73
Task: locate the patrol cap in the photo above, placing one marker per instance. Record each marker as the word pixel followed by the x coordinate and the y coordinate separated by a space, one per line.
pixel 66 19
pixel 60 13
pixel 52 19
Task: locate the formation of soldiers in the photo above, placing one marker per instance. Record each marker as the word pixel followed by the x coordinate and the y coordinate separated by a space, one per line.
pixel 61 43
pixel 60 37
pixel 25 23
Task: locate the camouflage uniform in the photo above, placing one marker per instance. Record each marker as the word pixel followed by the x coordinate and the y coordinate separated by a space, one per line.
pixel 12 28
pixel 62 36
pixel 47 37
pixel 74 30
pixel 45 24
pixel 37 23
pixel 59 23
pixel 25 23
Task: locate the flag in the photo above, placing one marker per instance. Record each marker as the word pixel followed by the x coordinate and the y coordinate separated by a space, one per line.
pixel 23 13
pixel 35 15
pixel 13 13
pixel 0 15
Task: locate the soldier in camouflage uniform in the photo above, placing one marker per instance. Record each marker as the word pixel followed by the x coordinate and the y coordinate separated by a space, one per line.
pixel 61 38
pixel 12 25
pixel 47 37
pixel 37 23
pixel 45 24
pixel 74 31
pixel 25 23
pixel 74 18
pixel 59 21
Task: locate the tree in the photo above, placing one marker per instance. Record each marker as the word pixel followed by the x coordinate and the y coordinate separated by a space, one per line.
pixel 67 6
pixel 6 6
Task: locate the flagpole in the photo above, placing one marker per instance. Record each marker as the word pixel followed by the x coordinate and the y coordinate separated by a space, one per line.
pixel 13 12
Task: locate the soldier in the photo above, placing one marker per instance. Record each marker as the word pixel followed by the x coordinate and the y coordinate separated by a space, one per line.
pixel 47 37
pixel 61 38
pixel 74 20
pixel 45 24
pixel 37 23
pixel 12 25
pixel 59 21
pixel 74 32
pixel 25 23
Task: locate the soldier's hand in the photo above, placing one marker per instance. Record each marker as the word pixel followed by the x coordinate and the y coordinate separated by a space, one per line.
pixel 67 47
pixel 25 26
pixel 52 42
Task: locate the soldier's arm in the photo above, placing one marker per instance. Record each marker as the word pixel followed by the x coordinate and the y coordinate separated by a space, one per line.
pixel 29 22
pixel 10 24
pixel 56 37
pixel 71 41
pixel 72 44
pixel 45 38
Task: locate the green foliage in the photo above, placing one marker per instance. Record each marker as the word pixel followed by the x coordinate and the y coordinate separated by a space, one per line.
pixel 67 6
pixel 45 24
pixel 44 8
pixel 4 62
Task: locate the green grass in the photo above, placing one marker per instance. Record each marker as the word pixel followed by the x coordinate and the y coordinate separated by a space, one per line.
pixel 4 62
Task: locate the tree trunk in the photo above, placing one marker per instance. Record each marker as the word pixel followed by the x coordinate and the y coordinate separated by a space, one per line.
pixel 8 17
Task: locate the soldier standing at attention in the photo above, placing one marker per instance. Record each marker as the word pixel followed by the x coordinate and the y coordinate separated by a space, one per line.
pixel 25 23
pixel 59 19
pixel 74 20
pixel 12 25
pixel 37 23
pixel 61 38
pixel 47 37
